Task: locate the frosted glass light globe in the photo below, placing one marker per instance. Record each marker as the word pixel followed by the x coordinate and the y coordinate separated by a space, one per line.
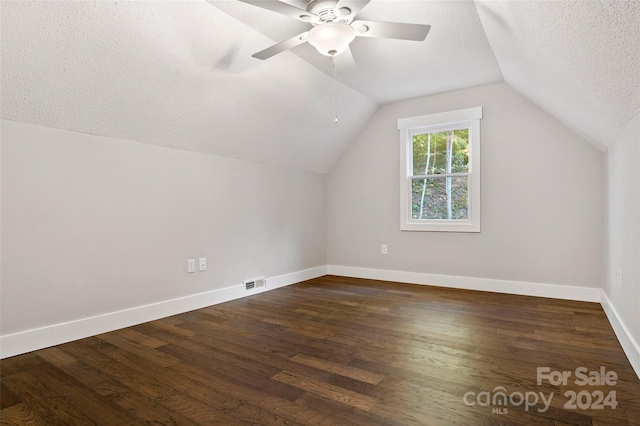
pixel 331 38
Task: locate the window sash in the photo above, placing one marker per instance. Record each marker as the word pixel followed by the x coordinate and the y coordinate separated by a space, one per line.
pixel 454 120
pixel 411 219
pixel 438 129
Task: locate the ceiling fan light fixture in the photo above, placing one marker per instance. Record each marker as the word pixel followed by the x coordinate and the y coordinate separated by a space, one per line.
pixel 331 38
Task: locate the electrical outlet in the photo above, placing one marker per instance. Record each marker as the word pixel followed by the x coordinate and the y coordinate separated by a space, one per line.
pixel 191 266
pixel 383 249
pixel 202 262
pixel 619 278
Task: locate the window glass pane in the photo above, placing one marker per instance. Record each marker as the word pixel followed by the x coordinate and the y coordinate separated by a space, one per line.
pixel 440 198
pixel 441 152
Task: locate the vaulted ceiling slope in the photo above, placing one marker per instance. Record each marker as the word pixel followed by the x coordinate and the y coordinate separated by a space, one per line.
pixel 578 60
pixel 172 73
pixel 180 74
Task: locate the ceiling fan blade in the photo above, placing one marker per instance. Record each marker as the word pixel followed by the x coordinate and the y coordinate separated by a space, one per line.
pixel 283 8
pixel 281 47
pixel 344 61
pixel 417 32
pixel 354 5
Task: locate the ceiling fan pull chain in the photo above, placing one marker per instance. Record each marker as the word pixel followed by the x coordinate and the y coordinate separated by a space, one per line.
pixel 335 85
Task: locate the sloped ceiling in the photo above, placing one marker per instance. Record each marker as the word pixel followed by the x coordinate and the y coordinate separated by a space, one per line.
pixel 179 73
pixel 578 60
pixel 174 74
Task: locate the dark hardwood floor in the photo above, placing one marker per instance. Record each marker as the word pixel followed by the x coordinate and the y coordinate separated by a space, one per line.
pixel 335 351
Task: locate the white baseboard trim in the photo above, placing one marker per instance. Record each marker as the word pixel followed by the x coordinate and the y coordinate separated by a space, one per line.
pixel 44 337
pixel 629 345
pixel 296 277
pixel 585 294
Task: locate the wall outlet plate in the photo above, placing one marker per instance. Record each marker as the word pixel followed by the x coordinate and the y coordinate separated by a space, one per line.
pixel 202 264
pixel 383 249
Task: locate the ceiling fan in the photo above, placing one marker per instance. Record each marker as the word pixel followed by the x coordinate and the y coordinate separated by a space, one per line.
pixel 334 27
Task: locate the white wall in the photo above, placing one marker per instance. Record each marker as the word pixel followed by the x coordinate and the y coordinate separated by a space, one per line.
pixel 623 232
pixel 542 198
pixel 92 225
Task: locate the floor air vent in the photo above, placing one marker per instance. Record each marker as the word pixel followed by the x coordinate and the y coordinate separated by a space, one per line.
pixel 254 283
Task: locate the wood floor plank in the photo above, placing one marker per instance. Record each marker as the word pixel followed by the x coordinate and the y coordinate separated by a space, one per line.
pixel 145 381
pixel 343 370
pixel 160 326
pixel 327 390
pixel 151 354
pixel 247 377
pixel 18 364
pixel 144 409
pixel 21 414
pixel 150 410
pixel 343 414
pixel 141 338
pixel 329 351
pixel 45 402
pixel 251 404
pixel 81 397
pixel 7 397
pixel 245 351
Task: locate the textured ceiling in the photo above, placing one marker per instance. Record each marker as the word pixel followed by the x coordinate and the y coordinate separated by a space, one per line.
pixel 175 74
pixel 180 73
pixel 578 60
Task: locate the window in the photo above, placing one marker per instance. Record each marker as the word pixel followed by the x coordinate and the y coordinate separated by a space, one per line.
pixel 440 171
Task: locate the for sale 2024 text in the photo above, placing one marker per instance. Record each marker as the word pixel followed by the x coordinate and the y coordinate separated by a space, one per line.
pixel 581 376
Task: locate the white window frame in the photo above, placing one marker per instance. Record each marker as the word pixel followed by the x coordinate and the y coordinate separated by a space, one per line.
pixel 452 120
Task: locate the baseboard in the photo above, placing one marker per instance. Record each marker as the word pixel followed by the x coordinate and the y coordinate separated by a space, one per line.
pixel 296 277
pixel 39 338
pixel 585 294
pixel 629 345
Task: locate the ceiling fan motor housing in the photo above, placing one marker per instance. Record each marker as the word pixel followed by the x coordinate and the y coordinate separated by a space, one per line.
pixel 326 12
